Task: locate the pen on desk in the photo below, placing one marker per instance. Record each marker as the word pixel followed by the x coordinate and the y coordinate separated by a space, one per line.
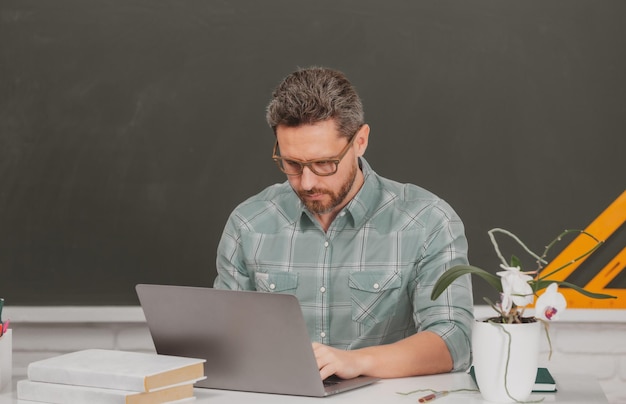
pixel 432 396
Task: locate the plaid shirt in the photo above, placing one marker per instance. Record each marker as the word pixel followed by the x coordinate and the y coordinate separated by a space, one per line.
pixel 368 279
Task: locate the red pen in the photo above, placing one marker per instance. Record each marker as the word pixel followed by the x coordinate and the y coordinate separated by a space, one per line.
pixel 432 396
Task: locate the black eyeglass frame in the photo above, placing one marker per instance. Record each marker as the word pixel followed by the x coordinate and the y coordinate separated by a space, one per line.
pixel 336 160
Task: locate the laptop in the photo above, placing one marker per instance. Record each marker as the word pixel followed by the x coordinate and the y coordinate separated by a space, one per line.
pixel 252 341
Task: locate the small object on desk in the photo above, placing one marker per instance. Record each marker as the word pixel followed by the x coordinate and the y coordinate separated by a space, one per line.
pixel 544 382
pixel 4 327
pixel 2 330
pixel 432 396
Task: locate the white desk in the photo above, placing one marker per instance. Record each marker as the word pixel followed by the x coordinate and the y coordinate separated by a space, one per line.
pixel 572 389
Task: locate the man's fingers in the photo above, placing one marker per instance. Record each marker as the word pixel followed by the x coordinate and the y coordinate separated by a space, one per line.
pixel 324 360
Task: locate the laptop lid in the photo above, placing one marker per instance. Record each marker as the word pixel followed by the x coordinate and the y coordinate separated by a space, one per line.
pixel 252 341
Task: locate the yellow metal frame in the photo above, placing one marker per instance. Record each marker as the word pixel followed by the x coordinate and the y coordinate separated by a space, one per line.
pixel 602 227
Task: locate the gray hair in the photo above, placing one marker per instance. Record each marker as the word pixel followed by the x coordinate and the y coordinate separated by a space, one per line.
pixel 316 94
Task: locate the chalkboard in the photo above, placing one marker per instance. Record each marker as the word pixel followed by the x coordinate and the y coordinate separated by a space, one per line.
pixel 129 129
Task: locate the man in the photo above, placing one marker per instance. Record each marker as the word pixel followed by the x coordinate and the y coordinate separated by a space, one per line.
pixel 359 251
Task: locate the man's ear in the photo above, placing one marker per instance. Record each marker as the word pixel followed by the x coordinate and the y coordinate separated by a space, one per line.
pixel 362 138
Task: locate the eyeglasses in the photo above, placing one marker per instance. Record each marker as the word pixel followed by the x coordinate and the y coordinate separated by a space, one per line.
pixel 322 167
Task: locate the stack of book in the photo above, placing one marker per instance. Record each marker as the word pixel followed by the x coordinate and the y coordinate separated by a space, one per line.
pixel 100 376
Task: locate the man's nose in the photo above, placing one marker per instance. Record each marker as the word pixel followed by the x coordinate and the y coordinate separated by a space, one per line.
pixel 308 179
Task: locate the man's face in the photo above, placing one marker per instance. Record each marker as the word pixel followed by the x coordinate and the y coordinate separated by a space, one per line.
pixel 321 194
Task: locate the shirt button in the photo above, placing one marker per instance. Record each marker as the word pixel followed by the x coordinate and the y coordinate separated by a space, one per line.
pixel 376 286
pixel 322 289
pixel 272 286
pixel 325 243
pixel 323 334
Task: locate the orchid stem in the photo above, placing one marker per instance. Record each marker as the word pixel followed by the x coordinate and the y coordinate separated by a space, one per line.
pixel 595 247
pixel 514 237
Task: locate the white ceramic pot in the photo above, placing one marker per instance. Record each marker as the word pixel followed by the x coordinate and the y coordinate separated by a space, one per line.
pixel 505 359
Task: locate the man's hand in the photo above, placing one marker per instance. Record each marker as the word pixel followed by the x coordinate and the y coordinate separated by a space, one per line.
pixel 333 361
pixel 420 354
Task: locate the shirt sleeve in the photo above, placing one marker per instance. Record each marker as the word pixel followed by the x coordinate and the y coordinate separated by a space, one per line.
pixel 231 270
pixel 451 315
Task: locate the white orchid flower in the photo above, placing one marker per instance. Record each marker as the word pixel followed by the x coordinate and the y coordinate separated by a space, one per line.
pixel 515 288
pixel 550 304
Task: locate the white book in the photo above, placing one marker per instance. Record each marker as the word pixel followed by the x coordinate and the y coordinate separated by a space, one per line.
pixel 120 370
pixel 68 394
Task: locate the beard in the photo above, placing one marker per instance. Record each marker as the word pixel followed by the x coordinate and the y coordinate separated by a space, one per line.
pixel 336 198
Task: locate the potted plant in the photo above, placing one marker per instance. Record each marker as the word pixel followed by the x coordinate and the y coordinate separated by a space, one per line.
pixel 505 346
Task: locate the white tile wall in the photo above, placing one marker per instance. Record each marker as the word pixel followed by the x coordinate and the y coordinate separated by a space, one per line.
pixel 597 349
pixel 594 347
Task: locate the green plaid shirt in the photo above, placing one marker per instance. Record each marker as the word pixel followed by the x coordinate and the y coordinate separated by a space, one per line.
pixel 368 279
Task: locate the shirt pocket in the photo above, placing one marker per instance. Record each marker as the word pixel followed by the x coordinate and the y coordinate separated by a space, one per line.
pixel 374 295
pixel 276 282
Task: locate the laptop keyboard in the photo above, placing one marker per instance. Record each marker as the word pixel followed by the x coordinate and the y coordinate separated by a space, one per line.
pixel 331 381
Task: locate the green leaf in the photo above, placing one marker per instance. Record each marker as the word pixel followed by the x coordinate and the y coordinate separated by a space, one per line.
pixel 585 292
pixel 515 261
pixel 543 283
pixel 455 272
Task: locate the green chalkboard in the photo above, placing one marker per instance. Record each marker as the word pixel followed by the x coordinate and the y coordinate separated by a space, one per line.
pixel 129 129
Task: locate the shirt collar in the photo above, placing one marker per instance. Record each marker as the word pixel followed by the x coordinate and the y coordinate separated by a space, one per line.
pixel 364 203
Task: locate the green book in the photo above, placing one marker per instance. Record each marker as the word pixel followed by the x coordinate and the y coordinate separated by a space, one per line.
pixel 544 382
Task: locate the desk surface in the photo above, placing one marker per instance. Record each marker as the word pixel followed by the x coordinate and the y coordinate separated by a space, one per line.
pixel 572 389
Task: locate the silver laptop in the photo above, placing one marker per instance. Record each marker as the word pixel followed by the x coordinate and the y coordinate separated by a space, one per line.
pixel 252 341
